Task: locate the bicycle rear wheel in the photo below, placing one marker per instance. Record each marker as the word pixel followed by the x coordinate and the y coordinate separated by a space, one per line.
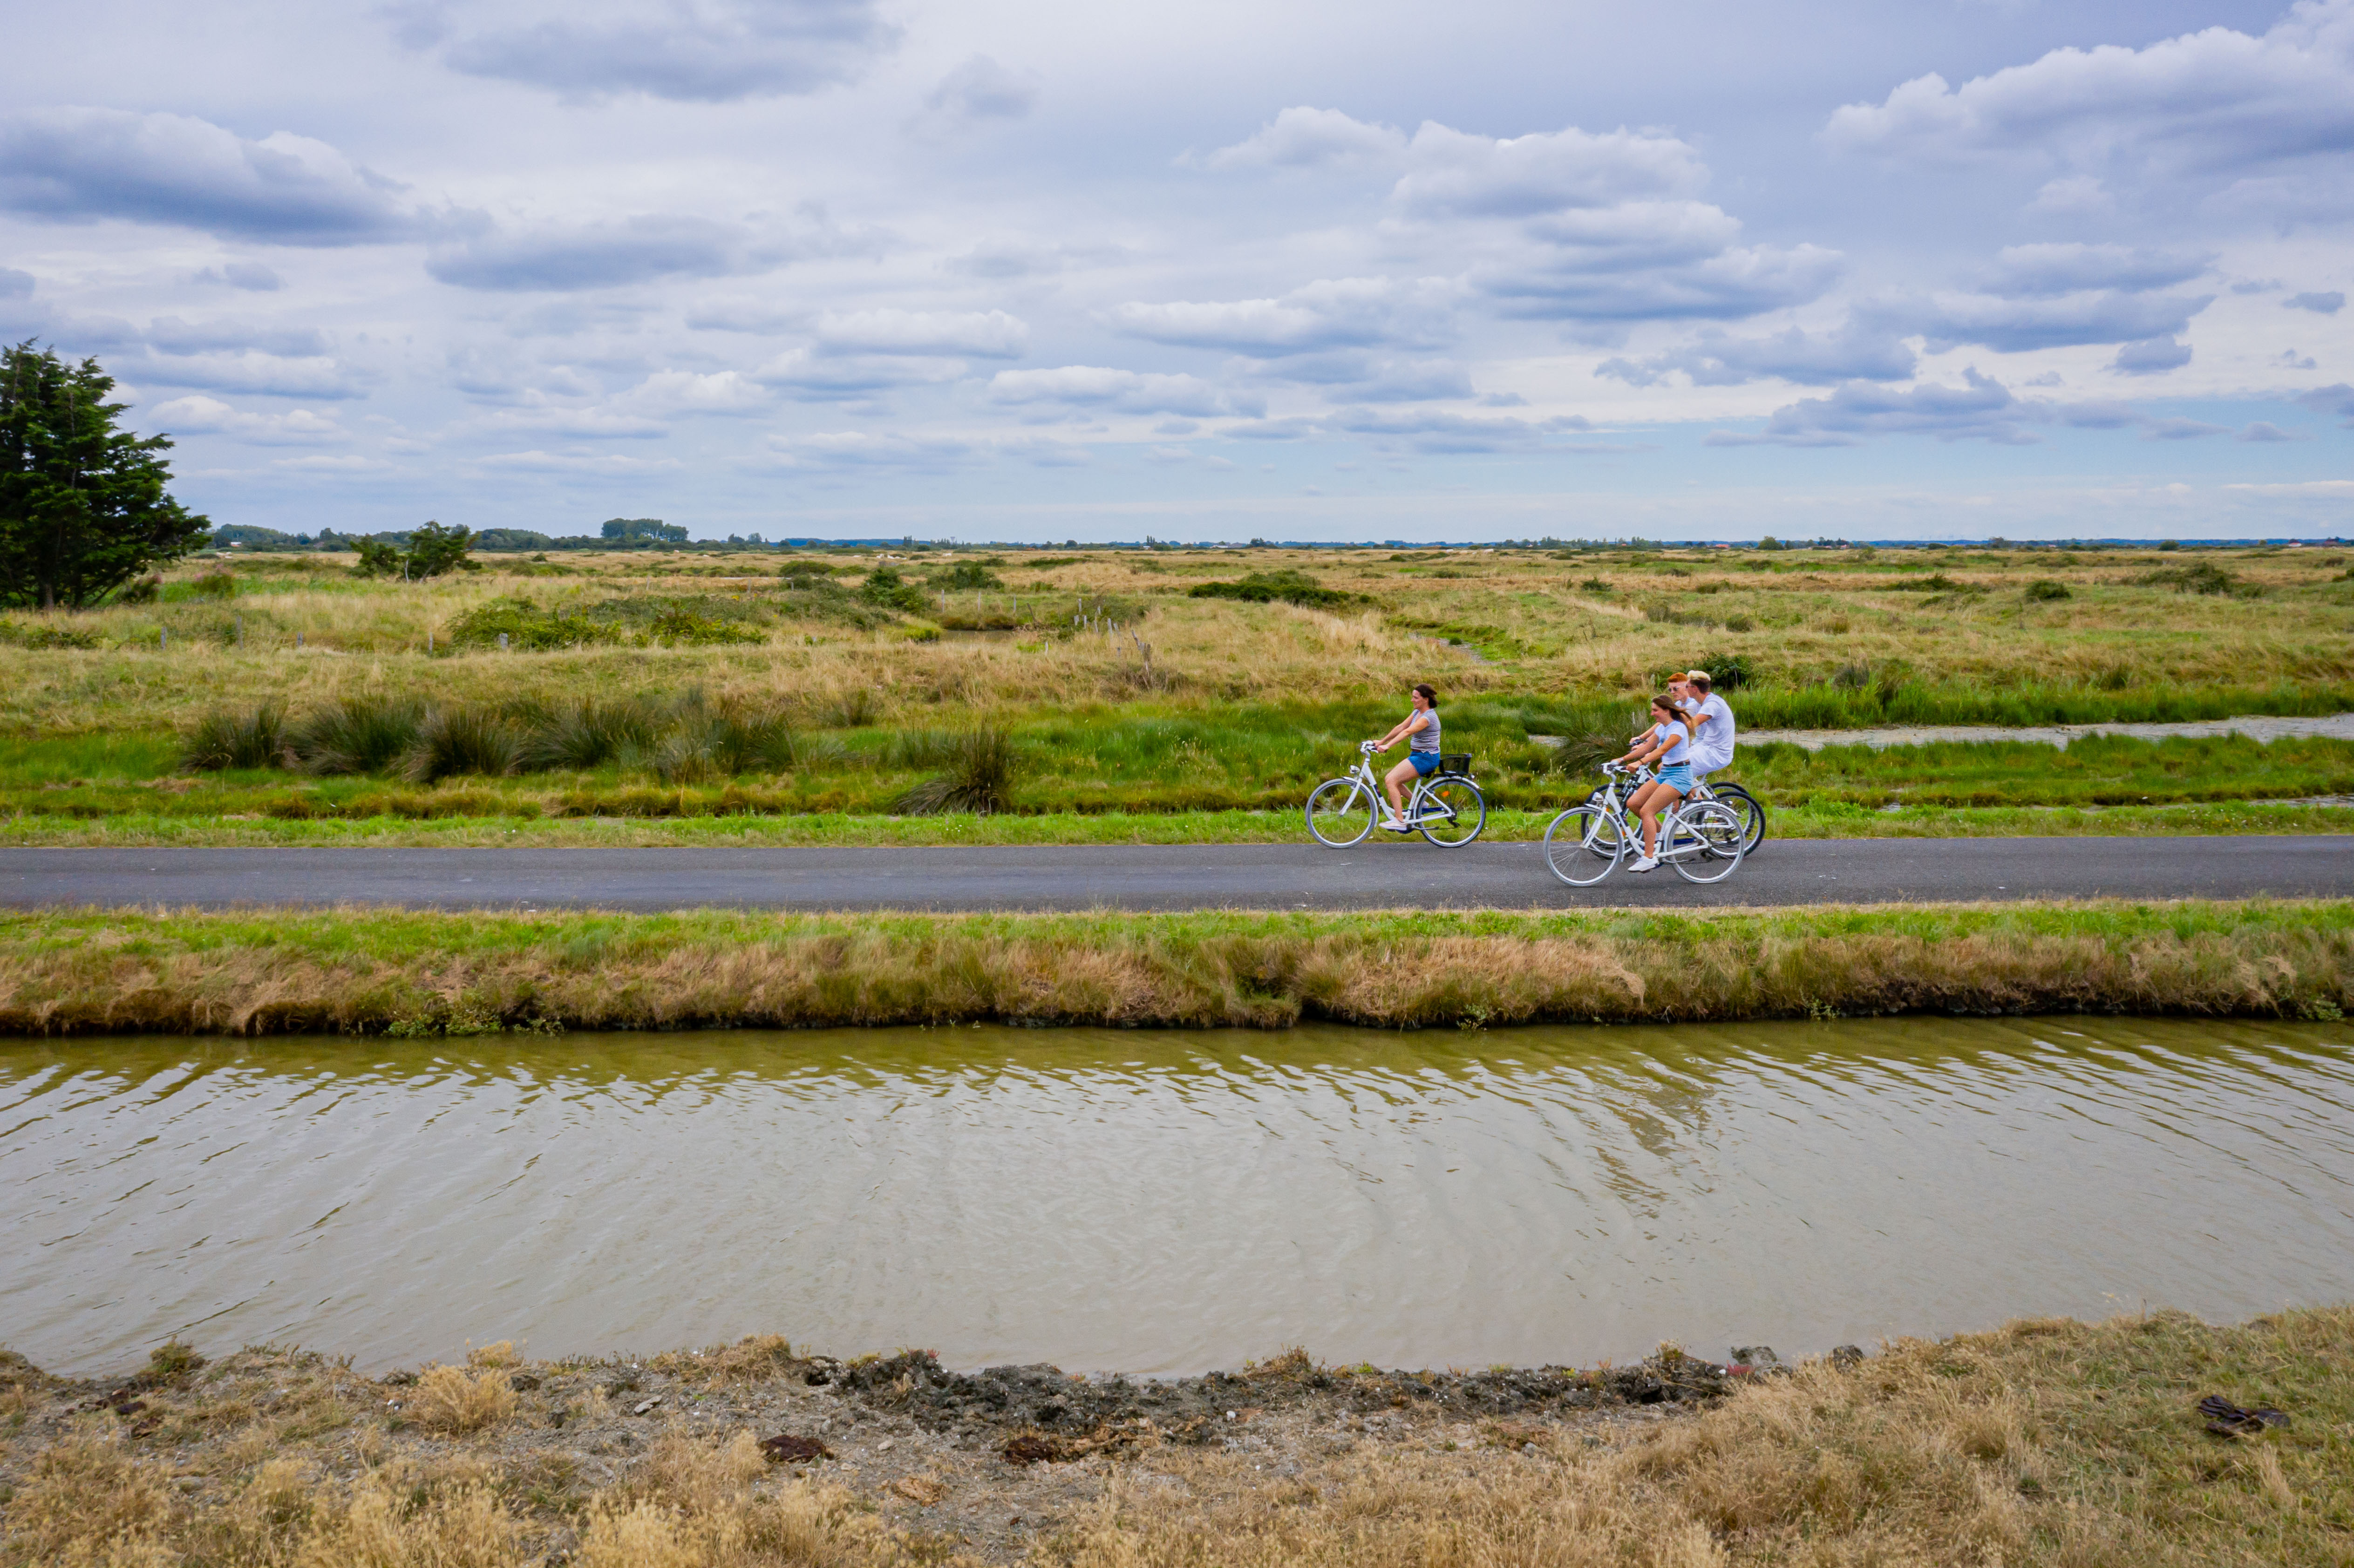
pixel 1451 812
pixel 1340 813
pixel 1745 806
pixel 1574 849
pixel 1707 843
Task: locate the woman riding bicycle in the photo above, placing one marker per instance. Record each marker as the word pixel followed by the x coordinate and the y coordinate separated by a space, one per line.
pixel 1421 753
pixel 1668 745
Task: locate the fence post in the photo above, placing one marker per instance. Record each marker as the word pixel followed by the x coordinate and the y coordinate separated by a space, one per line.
pixel 163 640
pixel 502 641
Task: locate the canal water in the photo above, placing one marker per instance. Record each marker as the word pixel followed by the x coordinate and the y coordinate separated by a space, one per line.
pixel 1157 1202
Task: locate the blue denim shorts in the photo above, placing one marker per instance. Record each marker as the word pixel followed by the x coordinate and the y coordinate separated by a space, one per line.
pixel 1676 776
pixel 1425 762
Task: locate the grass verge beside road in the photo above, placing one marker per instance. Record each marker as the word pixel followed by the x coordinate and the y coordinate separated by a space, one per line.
pixel 2046 1442
pixel 845 830
pixel 421 973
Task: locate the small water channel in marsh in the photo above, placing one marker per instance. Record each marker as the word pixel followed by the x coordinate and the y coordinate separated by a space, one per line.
pixel 1149 1201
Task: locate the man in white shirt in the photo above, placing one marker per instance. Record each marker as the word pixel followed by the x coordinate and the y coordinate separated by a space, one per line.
pixel 1711 725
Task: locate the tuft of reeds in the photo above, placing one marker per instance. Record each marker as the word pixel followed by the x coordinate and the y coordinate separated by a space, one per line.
pixel 455 1399
pixel 462 738
pixel 357 734
pixel 590 733
pixel 225 738
pixel 979 770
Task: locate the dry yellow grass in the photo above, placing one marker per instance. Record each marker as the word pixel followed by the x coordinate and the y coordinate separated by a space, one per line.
pixel 2048 1443
pixel 451 1399
pixel 414 972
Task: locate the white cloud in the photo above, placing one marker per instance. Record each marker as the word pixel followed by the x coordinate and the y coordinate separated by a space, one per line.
pixel 2218 104
pixel 987 334
pixel 175 169
pixel 829 377
pixel 1303 138
pixel 268 375
pixel 1454 174
pixel 582 464
pixel 2016 326
pixel 170 334
pixel 707 51
pixel 200 415
pixel 1716 358
pixel 872 449
pixel 1982 408
pixel 1129 391
pixel 1331 314
pixel 669 392
pixel 1433 430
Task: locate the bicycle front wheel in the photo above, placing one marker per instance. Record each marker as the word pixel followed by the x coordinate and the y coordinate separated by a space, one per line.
pixel 1745 806
pixel 1707 843
pixel 1452 812
pixel 1340 813
pixel 1577 847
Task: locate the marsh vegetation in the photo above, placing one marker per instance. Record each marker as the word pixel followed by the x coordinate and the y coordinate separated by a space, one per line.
pixel 1136 681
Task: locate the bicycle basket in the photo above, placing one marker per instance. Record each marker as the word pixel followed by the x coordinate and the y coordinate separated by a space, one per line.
pixel 1455 762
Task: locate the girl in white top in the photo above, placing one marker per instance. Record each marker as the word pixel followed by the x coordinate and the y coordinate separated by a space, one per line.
pixel 1668 745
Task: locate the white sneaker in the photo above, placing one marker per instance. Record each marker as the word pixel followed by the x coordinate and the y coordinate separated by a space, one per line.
pixel 1648 863
pixel 1396 826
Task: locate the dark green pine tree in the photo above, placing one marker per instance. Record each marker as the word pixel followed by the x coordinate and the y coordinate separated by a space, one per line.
pixel 83 508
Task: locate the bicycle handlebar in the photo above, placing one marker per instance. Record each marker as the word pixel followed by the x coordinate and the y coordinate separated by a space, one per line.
pixel 1368 748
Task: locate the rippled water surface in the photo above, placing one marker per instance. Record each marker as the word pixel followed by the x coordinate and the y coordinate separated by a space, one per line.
pixel 1156 1201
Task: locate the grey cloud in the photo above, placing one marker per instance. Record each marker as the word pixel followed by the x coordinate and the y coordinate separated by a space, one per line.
pixel 2212 101
pixel 826 378
pixel 1728 286
pixel 1438 432
pixel 1293 429
pixel 2151 356
pixel 173 169
pixel 1129 391
pixel 2328 304
pixel 2290 359
pixel 14 285
pixel 594 256
pixel 1715 358
pixel 170 334
pixel 865 449
pixel 1369 377
pixel 706 51
pixel 248 275
pixel 2183 430
pixel 2335 400
pixel 1982 409
pixel 2013 326
pixel 980 89
pixel 2263 430
pixel 746 315
pixel 2048 269
pixel 1342 312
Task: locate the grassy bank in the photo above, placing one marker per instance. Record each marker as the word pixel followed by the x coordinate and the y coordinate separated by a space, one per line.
pixel 2048 1442
pixel 421 973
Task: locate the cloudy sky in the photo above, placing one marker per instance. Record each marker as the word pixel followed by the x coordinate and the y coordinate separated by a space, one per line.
pixel 1316 271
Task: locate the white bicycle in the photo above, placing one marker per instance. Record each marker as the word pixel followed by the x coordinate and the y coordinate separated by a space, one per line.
pixel 1704 840
pixel 1446 807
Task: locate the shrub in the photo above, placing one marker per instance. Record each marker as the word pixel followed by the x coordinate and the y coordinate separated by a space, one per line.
pixel 141 590
pixel 979 770
pixel 462 739
pixel 854 708
pixel 1727 672
pixel 218 583
pixel 1738 623
pixel 678 626
pixel 1595 585
pixel 256 738
pixel 886 589
pixel 45 634
pixel 2206 577
pixel 969 575
pixel 1290 586
pixel 527 626
pixel 358 735
pixel 450 1399
pixel 2044 589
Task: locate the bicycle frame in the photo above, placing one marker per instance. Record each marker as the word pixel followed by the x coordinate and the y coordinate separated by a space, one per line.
pixel 1670 820
pixel 1372 786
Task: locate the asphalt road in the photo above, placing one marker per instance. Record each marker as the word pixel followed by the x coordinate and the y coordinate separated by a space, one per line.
pixel 1211 876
